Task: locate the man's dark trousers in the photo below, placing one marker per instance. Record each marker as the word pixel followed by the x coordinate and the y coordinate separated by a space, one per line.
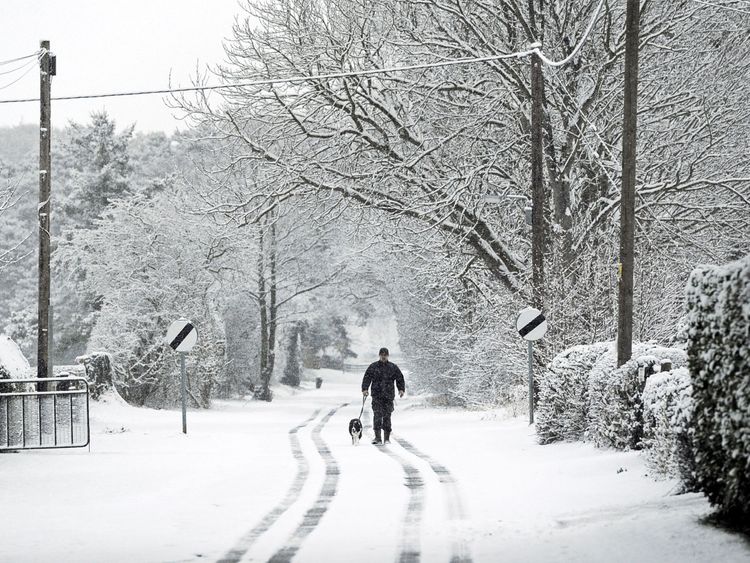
pixel 381 412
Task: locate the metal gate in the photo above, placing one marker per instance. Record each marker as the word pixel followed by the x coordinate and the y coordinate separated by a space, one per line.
pixel 37 413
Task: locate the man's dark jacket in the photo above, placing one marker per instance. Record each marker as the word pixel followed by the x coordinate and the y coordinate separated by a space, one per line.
pixel 382 375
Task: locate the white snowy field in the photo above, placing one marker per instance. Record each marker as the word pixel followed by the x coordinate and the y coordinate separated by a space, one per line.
pixel 454 486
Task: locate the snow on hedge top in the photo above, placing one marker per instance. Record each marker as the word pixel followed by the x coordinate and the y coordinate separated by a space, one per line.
pixel 12 359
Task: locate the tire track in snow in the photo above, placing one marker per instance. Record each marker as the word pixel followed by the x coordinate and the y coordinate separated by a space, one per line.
pixel 303 470
pixel 410 551
pixel 314 514
pixel 460 552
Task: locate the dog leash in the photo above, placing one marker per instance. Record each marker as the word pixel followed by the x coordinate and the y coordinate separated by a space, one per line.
pixel 363 406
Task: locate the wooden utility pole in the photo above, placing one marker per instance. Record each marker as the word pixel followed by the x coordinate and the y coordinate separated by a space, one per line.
pixel 537 183
pixel 45 173
pixel 627 198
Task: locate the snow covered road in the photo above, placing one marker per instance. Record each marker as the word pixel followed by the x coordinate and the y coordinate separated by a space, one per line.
pixel 281 482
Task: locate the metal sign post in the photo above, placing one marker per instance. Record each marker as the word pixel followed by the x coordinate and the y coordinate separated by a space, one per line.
pixel 531 382
pixel 182 392
pixel 181 337
pixel 531 325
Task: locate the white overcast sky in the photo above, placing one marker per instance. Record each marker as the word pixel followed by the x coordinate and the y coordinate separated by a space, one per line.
pixel 107 46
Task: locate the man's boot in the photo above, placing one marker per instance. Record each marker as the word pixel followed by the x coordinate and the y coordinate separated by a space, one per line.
pixel 387 437
pixel 377 439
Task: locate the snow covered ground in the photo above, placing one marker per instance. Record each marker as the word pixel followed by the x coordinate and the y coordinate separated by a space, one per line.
pixel 255 481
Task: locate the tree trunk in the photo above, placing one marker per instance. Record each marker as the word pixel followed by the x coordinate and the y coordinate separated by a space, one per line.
pixel 267 299
pixel 272 308
pixel 263 392
pixel 292 368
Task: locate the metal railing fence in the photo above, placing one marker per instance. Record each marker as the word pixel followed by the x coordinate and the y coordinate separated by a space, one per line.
pixel 44 413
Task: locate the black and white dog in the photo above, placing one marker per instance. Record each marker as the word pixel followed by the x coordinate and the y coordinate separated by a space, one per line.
pixel 355 430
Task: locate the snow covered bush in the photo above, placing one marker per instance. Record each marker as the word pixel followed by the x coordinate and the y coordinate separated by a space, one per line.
pixel 718 303
pixel 293 365
pixel 667 436
pixel 563 405
pixel 486 376
pixel 616 411
pixel 461 351
pixel 98 369
pixel 146 263
pixel 13 364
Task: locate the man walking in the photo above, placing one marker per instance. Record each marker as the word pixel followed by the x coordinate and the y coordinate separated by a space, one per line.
pixel 381 375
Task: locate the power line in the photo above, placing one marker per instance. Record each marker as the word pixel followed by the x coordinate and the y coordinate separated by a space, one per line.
pixel 722 6
pixel 369 72
pixel 34 54
pixel 28 70
pixel 288 80
pixel 23 66
pixel 578 47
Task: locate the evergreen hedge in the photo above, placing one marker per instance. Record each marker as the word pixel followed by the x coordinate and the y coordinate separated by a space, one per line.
pixel 616 411
pixel 718 302
pixel 583 395
pixel 563 406
pixel 667 434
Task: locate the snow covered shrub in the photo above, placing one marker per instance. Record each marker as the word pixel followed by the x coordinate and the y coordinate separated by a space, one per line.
pixel 475 368
pixel 616 411
pixel 518 401
pixel 486 374
pixel 21 328
pixel 667 436
pixel 481 387
pixel 98 368
pixel 242 348
pixel 208 368
pixel 13 364
pixel 563 405
pixel 146 261
pixel 293 365
pixel 718 303
pixel 145 370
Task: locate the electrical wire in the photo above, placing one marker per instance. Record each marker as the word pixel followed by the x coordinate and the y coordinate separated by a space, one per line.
pixel 722 6
pixel 34 54
pixel 288 80
pixel 369 72
pixel 28 70
pixel 578 46
pixel 23 66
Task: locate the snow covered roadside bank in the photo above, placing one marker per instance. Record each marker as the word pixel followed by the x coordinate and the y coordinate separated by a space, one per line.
pixel 145 492
pixel 151 494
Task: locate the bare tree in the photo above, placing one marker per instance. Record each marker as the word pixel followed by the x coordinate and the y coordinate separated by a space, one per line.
pixel 145 258
pixel 274 253
pixel 10 254
pixel 424 147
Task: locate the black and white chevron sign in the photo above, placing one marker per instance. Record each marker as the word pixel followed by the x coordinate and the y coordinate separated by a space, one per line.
pixel 182 335
pixel 531 324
